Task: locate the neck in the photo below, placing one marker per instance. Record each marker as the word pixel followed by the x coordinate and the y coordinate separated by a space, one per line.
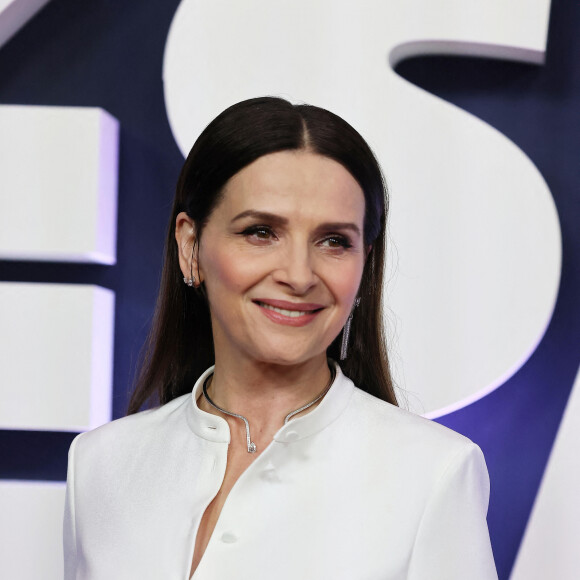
pixel 266 394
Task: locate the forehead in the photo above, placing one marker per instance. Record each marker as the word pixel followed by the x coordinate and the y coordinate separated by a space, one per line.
pixel 295 184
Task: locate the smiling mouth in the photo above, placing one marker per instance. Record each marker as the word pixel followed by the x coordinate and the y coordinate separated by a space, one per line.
pixel 285 311
pixel 290 313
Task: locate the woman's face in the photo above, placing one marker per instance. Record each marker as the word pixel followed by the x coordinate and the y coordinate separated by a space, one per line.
pixel 282 257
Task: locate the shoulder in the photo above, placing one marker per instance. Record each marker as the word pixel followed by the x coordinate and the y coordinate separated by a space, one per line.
pixel 129 434
pixel 415 440
pixel 383 415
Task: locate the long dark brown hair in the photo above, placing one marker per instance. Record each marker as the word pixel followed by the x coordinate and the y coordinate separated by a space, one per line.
pixel 180 343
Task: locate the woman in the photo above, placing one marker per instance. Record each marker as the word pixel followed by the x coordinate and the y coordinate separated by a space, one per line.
pixel 276 465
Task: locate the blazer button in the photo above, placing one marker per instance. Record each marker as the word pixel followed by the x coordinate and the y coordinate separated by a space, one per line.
pixel 269 474
pixel 229 538
pixel 292 436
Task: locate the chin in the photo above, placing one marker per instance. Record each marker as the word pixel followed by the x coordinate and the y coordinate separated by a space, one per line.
pixel 286 357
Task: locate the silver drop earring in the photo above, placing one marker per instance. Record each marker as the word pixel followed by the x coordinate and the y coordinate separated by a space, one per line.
pixel 191 280
pixel 346 332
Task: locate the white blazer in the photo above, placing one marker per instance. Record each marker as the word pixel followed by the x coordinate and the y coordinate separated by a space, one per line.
pixel 357 489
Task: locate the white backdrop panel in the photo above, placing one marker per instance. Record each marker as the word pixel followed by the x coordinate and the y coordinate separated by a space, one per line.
pixel 550 548
pixel 31 530
pixel 14 14
pixel 58 184
pixel 56 356
pixel 476 251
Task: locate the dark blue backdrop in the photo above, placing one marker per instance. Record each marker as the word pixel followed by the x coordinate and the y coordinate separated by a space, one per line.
pixel 109 54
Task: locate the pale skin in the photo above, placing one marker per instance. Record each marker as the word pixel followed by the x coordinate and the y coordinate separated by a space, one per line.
pixel 288 228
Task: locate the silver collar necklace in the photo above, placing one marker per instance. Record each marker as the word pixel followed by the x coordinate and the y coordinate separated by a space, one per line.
pixel 251 445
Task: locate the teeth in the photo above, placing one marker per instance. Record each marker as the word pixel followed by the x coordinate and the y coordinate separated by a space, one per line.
pixel 290 313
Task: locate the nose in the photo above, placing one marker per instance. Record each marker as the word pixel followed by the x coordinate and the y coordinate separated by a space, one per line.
pixel 295 269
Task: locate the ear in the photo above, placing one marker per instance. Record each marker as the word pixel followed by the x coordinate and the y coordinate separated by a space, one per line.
pixel 187 247
pixel 368 250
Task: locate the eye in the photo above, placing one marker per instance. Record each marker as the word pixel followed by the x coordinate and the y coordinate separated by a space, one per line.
pixel 336 241
pixel 259 233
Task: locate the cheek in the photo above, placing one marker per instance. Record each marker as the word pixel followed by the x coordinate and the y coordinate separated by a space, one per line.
pixel 226 274
pixel 344 282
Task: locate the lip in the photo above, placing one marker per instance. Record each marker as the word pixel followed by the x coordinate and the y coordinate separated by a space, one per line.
pixel 284 304
pixel 310 309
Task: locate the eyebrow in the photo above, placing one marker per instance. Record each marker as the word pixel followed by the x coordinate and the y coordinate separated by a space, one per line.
pixel 261 215
pixel 279 220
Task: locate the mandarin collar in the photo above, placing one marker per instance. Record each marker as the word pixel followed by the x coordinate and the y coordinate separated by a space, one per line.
pixel 216 429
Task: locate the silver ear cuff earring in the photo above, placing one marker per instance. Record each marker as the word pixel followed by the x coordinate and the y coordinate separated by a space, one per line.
pixel 346 332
